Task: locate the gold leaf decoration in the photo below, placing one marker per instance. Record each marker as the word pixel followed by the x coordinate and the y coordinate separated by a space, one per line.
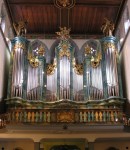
pixel 64 33
pixel 95 60
pixel 87 50
pixel 19 45
pixel 65 116
pixel 107 27
pixel 20 27
pixel 33 61
pixel 51 68
pixel 41 51
pixel 109 45
pixel 64 51
pixel 78 68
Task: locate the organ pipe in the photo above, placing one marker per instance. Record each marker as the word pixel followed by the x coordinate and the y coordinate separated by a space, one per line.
pixel 96 78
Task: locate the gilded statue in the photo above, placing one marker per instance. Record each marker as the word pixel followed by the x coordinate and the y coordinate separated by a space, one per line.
pixel 20 28
pixel 51 68
pixel 107 27
pixel 64 33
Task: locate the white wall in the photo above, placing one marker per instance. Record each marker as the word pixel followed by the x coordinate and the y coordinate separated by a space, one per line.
pixel 125 60
pixel 4 61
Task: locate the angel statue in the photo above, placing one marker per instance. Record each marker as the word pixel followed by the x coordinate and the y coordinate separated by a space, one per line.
pixel 107 27
pixel 20 28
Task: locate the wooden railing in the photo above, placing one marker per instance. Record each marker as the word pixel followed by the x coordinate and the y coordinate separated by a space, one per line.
pixel 66 115
pixel 88 116
pixel 3 120
pixel 127 121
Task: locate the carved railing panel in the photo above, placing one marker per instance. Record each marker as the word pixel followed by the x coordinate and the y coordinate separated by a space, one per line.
pixel 66 115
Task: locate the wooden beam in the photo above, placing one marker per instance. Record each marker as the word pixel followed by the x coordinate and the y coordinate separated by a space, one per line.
pixel 79 4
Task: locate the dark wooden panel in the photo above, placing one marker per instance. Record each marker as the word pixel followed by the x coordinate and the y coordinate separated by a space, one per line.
pixel 86 17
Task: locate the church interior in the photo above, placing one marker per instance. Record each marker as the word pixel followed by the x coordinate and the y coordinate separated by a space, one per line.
pixel 64 75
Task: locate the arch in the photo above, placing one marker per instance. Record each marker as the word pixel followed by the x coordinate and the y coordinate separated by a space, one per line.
pixel 95 44
pixel 36 44
pixel 73 44
pixel 52 49
pixel 77 53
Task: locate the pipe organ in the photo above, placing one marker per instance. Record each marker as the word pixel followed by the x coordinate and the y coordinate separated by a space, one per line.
pixel 92 83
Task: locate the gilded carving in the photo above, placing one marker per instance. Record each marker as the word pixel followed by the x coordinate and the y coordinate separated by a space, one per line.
pixel 20 28
pixel 78 68
pixel 41 51
pixel 65 116
pixel 64 33
pixel 33 61
pixel 19 45
pixel 95 60
pixel 107 27
pixel 64 3
pixel 64 51
pixel 109 45
pixel 87 50
pixel 51 68
pixel 95 57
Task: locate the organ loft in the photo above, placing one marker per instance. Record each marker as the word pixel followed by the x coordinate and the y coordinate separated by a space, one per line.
pixel 64 84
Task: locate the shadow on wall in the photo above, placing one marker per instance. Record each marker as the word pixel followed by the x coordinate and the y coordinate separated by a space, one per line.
pixel 18 148
pixel 112 148
pixel 65 147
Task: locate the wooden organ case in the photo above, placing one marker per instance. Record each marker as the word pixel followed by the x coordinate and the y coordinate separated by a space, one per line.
pixel 74 86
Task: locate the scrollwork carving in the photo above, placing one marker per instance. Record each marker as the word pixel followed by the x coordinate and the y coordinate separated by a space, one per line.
pixel 34 62
pixel 78 68
pixel 109 45
pixel 64 51
pixel 87 50
pixel 51 68
pixel 65 116
pixel 95 60
pixel 41 51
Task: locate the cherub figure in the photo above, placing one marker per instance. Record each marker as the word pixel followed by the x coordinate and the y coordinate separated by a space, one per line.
pixel 107 27
pixel 20 28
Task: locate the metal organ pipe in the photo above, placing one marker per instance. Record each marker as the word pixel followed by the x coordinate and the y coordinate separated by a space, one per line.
pixel 64 78
pixel 51 86
pixel 33 84
pixel 97 86
pixel 111 70
pixel 17 78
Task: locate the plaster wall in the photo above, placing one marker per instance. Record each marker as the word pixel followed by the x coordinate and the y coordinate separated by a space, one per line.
pixel 120 145
pixel 23 144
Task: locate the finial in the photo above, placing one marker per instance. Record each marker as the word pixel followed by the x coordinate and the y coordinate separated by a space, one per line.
pixel 107 27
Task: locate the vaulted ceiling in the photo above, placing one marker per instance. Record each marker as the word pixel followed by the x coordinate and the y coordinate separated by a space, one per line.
pixel 84 19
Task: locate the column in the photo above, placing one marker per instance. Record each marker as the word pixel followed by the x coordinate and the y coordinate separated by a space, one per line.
pixel 36 146
pixel 91 145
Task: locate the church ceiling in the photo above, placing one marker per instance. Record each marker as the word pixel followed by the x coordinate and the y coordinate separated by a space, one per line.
pixel 84 19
